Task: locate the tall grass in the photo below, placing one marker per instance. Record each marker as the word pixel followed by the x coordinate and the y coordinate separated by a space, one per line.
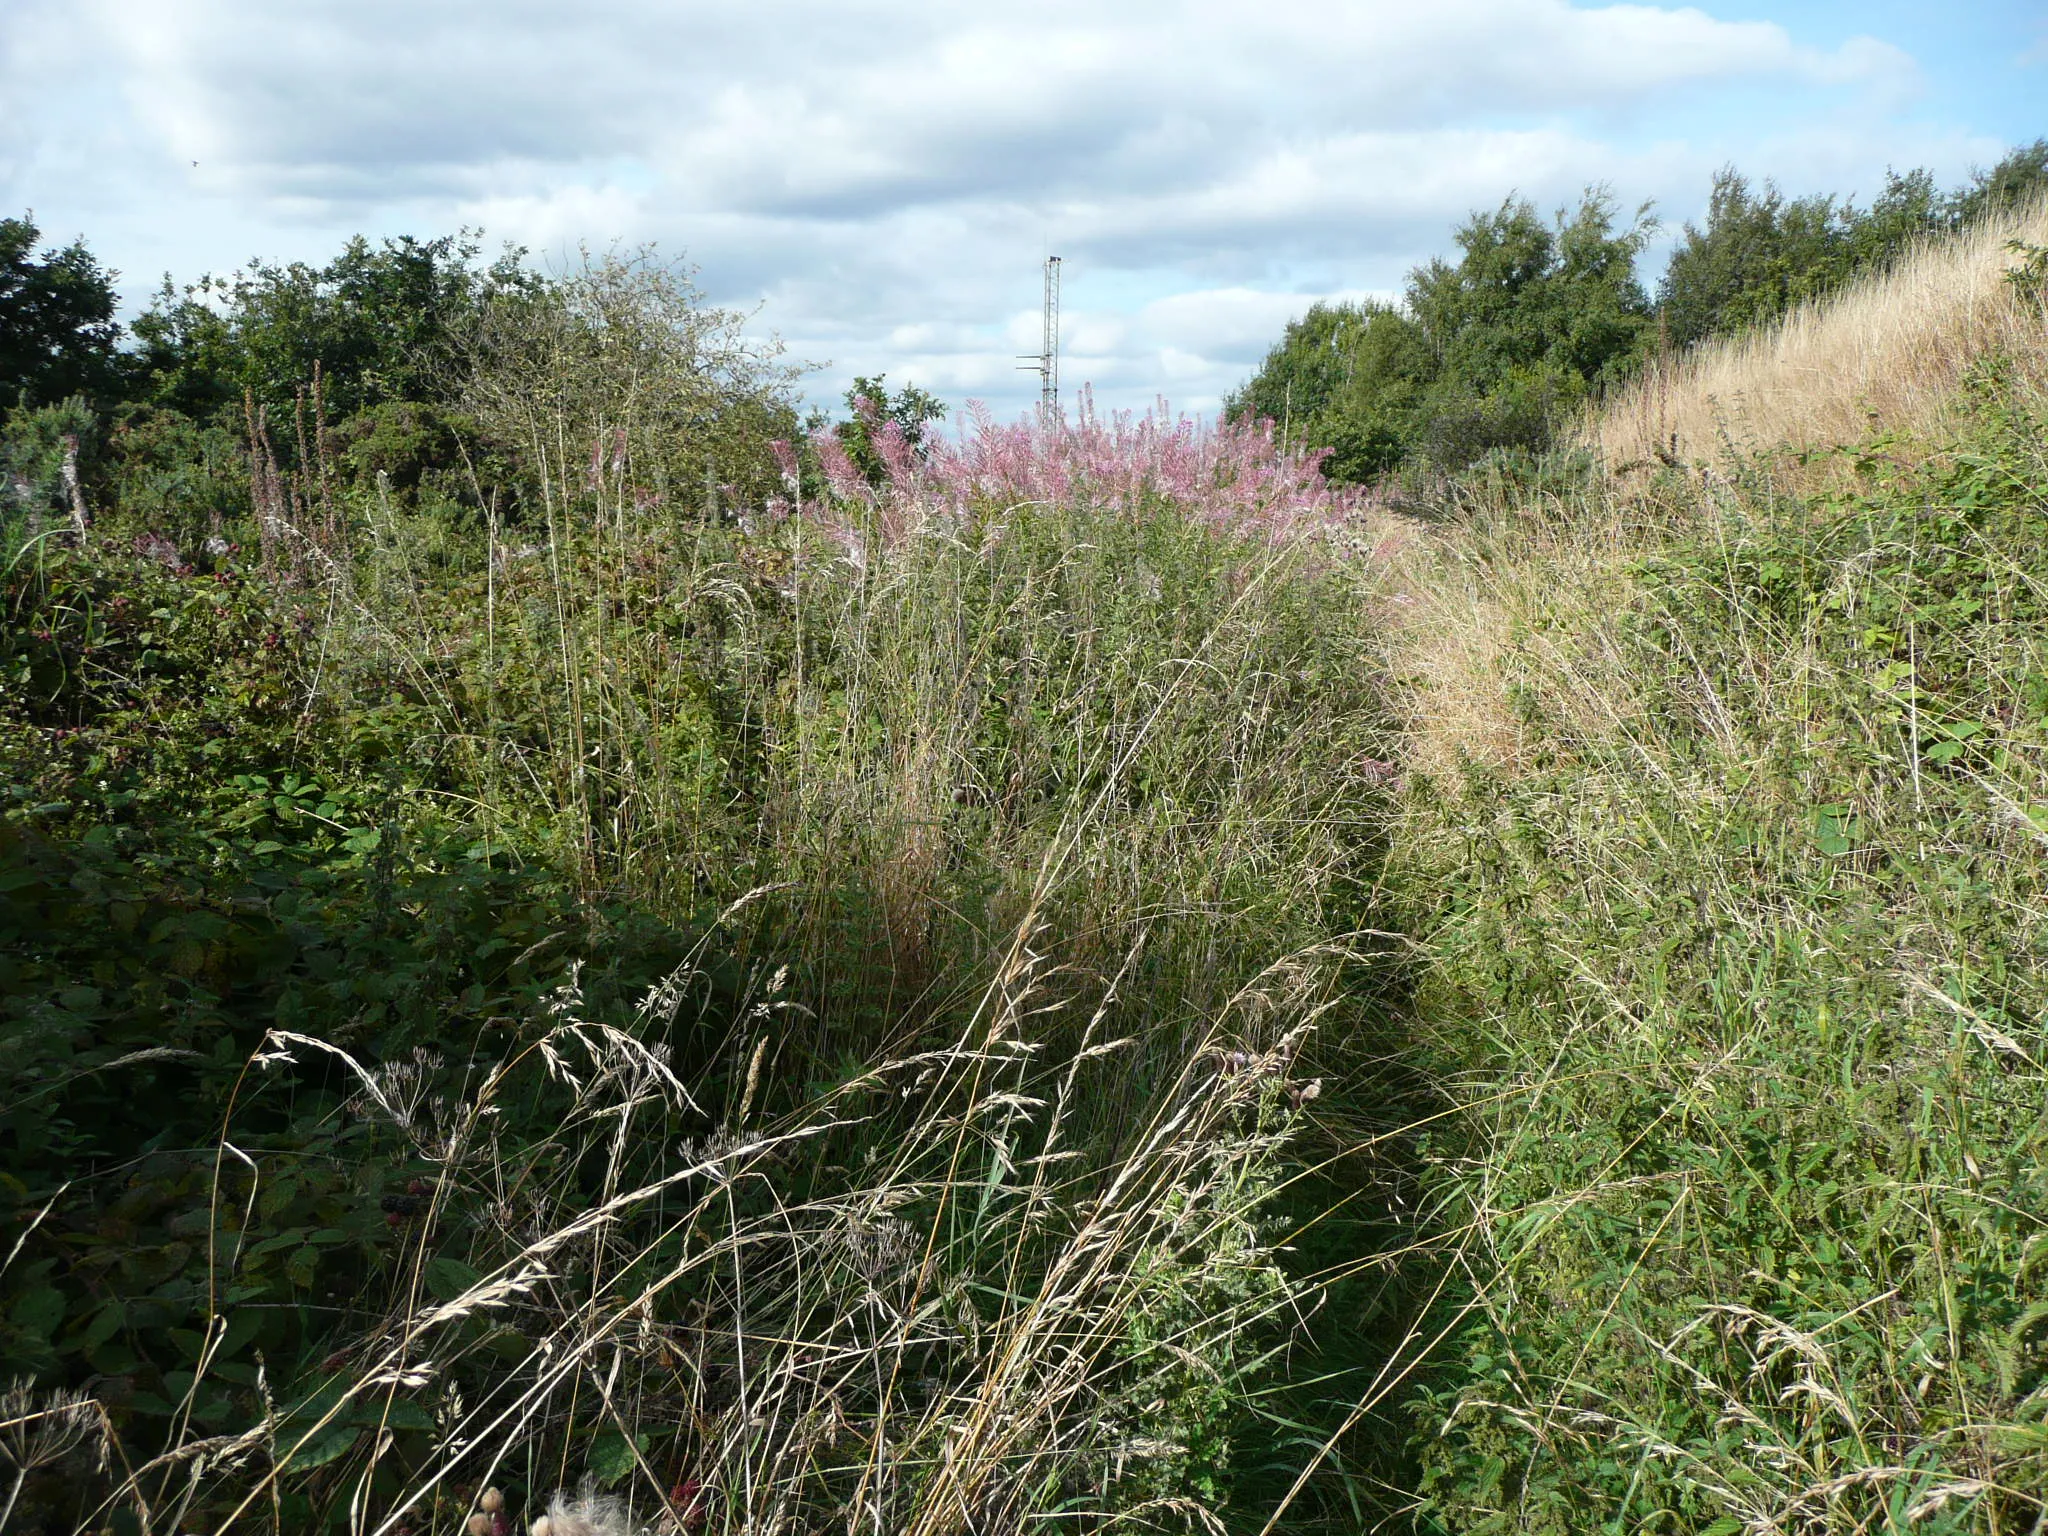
pixel 1888 355
pixel 1044 1129
pixel 989 1164
pixel 1724 851
pixel 919 1301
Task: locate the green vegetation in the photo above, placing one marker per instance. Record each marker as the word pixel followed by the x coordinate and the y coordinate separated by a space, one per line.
pixel 57 330
pixel 1499 351
pixel 1738 962
pixel 870 410
pixel 527 962
pixel 1486 353
pixel 565 945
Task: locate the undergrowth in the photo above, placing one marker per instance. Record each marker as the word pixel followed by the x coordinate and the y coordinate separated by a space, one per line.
pixel 863 1014
pixel 1736 956
pixel 867 1000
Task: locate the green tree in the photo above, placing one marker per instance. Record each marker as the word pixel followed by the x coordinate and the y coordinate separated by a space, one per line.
pixel 871 408
pixel 2021 175
pixel 1488 351
pixel 58 337
pixel 378 321
pixel 1347 378
pixel 617 380
pixel 1761 253
pixel 46 451
pixel 1529 298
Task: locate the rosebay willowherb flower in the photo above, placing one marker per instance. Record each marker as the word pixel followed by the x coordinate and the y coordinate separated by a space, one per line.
pixel 1232 476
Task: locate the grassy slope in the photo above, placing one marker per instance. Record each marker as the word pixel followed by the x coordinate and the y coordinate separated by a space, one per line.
pixel 1888 355
pixel 1726 844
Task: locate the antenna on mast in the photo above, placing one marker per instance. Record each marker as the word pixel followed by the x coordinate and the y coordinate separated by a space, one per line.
pixel 1047 363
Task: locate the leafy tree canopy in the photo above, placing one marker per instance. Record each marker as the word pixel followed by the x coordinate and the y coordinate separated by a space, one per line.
pixel 377 321
pixel 58 337
pixel 1484 353
pixel 2021 175
pixel 1349 377
pixel 1491 349
pixel 870 406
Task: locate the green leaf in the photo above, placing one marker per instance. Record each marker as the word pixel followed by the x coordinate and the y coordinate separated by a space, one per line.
pixel 302 1265
pixel 331 1443
pixel 398 1413
pixel 611 1458
pixel 40 1311
pixel 1836 829
pixel 449 1278
pixel 106 1322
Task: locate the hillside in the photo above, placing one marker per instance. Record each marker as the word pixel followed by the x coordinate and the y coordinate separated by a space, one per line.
pixel 1724 844
pixel 1890 357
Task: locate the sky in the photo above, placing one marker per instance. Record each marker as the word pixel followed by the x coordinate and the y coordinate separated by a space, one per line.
pixel 879 184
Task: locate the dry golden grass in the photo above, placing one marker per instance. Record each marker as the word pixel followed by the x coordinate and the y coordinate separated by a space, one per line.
pixel 1515 591
pixel 1887 355
pixel 1473 611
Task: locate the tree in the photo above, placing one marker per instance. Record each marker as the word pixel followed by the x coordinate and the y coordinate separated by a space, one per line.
pixel 617 381
pixel 1488 351
pixel 1761 253
pixel 1494 347
pixel 870 408
pixel 2021 175
pixel 58 337
pixel 1530 299
pixel 1346 378
pixel 377 321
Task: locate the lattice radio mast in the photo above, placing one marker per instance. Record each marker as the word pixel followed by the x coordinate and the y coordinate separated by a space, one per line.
pixel 1047 363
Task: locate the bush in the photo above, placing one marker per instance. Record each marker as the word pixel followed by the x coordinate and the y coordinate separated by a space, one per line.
pixel 46 453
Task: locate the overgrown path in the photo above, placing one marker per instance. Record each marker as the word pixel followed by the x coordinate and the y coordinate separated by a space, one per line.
pixel 880 1009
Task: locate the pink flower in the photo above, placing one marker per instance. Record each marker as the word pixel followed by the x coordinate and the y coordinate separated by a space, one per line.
pixel 1235 477
pixel 785 460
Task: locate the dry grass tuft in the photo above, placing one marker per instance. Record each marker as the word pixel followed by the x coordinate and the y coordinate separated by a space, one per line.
pixel 1885 356
pixel 1473 613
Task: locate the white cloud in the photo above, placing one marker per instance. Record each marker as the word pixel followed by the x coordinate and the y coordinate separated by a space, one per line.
pixel 1234 324
pixel 885 179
